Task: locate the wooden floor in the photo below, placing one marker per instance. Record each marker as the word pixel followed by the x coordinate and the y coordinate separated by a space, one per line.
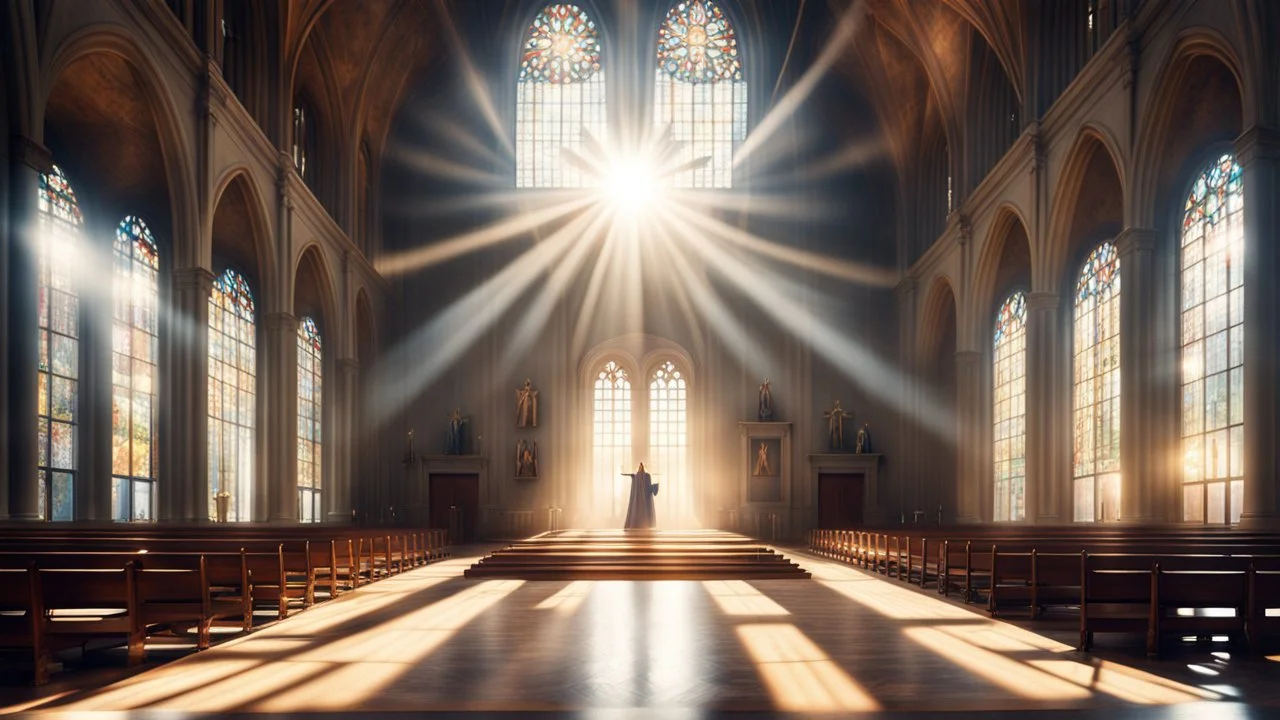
pixel 432 640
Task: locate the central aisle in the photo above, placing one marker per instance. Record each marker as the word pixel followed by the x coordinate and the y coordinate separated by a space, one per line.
pixel 433 640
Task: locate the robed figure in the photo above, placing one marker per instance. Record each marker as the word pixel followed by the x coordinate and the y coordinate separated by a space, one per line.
pixel 641 514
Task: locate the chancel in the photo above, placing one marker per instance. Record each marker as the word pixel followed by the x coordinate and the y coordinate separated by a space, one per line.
pixel 458 356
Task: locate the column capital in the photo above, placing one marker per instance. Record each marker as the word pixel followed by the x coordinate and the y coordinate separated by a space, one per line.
pixel 1257 143
pixel 968 357
pixel 349 366
pixel 23 150
pixel 1135 240
pixel 280 321
pixel 193 278
pixel 1043 301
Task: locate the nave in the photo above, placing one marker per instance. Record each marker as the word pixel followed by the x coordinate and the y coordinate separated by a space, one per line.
pixel 844 641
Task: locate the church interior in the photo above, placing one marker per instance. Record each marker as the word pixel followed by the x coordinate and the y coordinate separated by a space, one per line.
pixel 670 358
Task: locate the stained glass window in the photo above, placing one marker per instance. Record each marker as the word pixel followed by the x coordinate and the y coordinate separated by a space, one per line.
pixel 134 356
pixel 58 376
pixel 232 395
pixel 560 97
pixel 1213 345
pixel 669 442
pixel 1009 411
pixel 310 413
pixel 701 94
pixel 611 440
pixel 1096 373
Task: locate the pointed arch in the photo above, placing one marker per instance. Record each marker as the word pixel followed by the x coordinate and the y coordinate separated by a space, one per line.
pixel 700 93
pixel 240 233
pixel 560 97
pixel 1088 205
pixel 1200 98
pixel 130 65
pixel 1004 263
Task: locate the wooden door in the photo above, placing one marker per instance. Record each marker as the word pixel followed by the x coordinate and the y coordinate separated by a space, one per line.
pixel 840 498
pixel 461 491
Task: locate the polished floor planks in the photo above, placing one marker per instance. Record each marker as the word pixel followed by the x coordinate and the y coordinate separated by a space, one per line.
pixel 845 641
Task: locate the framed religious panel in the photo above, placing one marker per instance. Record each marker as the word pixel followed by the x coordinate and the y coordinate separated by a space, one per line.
pixel 766 464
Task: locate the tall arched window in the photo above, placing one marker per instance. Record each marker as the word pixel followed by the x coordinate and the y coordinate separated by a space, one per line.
pixel 1096 373
pixel 232 396
pixel 701 94
pixel 669 441
pixel 1213 345
pixel 1009 411
pixel 611 437
pixel 560 96
pixel 310 415
pixel 134 357
pixel 58 378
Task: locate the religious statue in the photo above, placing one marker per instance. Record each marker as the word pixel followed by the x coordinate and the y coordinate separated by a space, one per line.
pixel 863 443
pixel 764 411
pixel 527 405
pixel 641 514
pixel 762 461
pixel 835 425
pixel 527 459
pixel 453 443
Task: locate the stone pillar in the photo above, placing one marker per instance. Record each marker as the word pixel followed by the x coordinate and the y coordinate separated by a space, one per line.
pixel 1258 152
pixel 911 470
pixel 1044 368
pixel 282 417
pixel 344 408
pixel 185 495
pixel 1139 427
pixel 26 162
pixel 969 437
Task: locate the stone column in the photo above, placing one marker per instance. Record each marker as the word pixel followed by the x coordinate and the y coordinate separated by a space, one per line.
pixel 185 495
pixel 969 437
pixel 1044 367
pixel 344 407
pixel 1258 152
pixel 1138 390
pixel 910 472
pixel 281 334
pixel 26 162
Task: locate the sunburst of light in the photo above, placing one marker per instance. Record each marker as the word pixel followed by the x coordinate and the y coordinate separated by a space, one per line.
pixel 605 246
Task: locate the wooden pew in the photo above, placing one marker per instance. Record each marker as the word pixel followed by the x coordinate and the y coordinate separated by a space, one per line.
pixel 1033 580
pixel 80 605
pixel 21 617
pixel 1191 594
pixel 1116 595
pixel 1264 599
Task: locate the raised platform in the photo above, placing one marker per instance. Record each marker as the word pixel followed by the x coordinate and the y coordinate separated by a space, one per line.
pixel 637 555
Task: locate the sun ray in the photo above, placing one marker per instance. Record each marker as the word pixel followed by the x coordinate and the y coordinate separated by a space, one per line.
pixel 503 231
pixel 417 361
pixel 475 81
pixel 539 311
pixel 773 121
pixel 802 259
